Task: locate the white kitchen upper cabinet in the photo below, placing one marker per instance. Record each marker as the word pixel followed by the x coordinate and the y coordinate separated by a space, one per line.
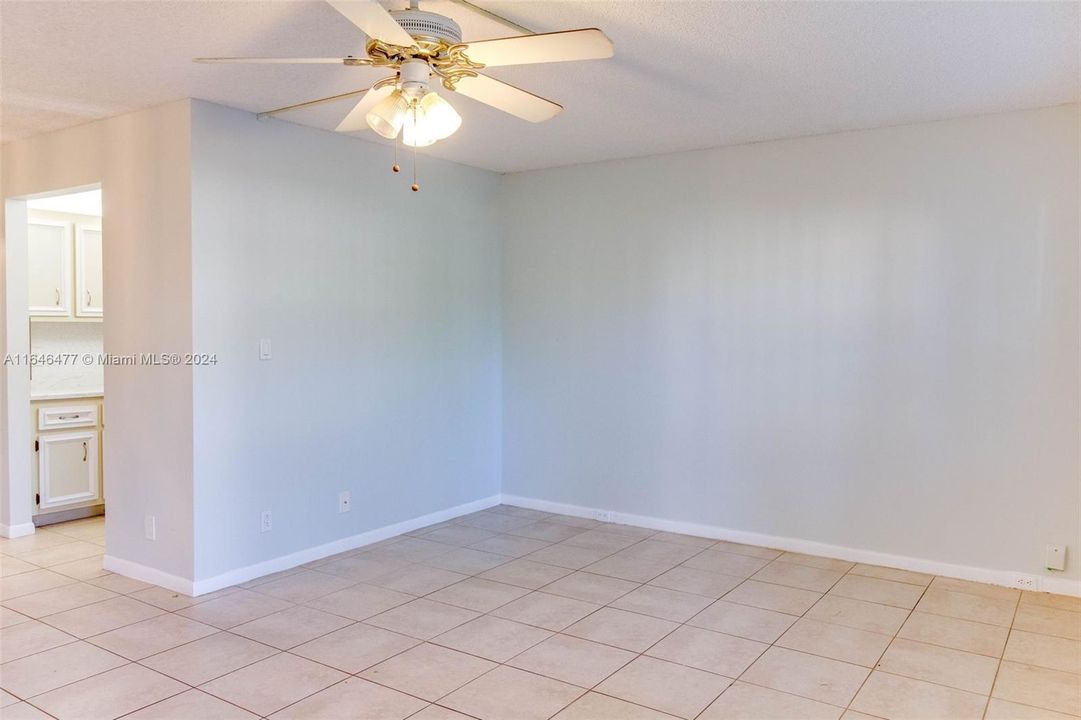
pixel 88 279
pixel 50 268
pixel 68 468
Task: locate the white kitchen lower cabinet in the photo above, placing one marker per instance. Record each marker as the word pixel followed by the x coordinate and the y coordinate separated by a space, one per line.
pixel 68 468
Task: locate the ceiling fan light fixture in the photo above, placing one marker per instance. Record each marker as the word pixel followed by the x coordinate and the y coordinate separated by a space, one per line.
pixel 440 117
pixel 417 131
pixel 389 115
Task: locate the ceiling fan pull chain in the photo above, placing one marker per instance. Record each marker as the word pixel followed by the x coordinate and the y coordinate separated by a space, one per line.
pixel 396 167
pixel 414 187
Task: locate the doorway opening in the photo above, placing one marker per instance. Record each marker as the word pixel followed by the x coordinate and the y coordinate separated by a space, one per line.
pixel 55 363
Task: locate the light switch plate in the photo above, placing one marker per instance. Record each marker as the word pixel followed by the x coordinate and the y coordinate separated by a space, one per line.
pixel 264 349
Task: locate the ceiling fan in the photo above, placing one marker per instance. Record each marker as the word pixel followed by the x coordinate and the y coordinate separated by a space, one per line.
pixel 419 46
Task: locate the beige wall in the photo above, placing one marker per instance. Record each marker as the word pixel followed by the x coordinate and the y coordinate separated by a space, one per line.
pixel 143 162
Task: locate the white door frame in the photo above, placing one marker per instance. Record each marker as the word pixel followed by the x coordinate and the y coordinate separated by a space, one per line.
pixel 16 492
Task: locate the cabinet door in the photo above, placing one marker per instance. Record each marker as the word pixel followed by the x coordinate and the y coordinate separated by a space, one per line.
pixel 88 282
pixel 50 268
pixel 68 468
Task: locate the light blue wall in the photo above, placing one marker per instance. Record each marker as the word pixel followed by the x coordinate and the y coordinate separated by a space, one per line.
pixel 383 308
pixel 866 339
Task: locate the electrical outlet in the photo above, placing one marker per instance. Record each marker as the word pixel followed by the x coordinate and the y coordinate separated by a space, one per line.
pixel 1056 557
pixel 345 502
pixel 603 515
pixel 267 522
pixel 150 526
pixel 1027 582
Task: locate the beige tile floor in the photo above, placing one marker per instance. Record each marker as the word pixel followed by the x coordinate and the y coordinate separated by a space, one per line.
pixel 518 614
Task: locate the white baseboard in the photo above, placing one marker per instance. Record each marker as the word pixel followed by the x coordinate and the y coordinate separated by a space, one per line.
pixel 14 531
pixel 285 562
pixel 147 574
pixel 1061 586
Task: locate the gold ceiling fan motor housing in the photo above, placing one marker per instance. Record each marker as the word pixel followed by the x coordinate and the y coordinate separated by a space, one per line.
pixel 438 42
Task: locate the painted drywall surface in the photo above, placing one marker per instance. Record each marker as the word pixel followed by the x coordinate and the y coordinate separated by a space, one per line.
pixel 382 308
pixel 867 339
pixel 142 161
pixel 16 499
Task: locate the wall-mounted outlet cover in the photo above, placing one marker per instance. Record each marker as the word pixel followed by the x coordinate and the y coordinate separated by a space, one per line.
pixel 150 527
pixel 345 502
pixel 1056 557
pixel 1027 582
pixel 267 522
pixel 603 515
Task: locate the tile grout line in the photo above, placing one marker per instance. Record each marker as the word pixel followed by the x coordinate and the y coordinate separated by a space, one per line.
pixel 503 664
pixel 779 636
pixel 998 666
pixel 908 615
pixel 602 607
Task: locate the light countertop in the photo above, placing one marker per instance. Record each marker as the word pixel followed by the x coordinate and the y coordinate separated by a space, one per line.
pixel 67 394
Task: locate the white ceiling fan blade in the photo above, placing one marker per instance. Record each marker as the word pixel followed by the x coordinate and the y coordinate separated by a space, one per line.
pixel 275 61
pixel 356 120
pixel 508 98
pixel 374 20
pixel 588 44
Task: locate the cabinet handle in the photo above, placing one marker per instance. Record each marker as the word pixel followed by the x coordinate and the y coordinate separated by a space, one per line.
pixel 58 297
pixel 88 303
pixel 84 451
pixel 68 417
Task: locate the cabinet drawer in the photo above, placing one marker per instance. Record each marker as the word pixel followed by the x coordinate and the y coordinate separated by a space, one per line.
pixel 68 416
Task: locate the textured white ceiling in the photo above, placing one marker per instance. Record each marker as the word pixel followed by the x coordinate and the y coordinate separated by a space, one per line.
pixel 686 75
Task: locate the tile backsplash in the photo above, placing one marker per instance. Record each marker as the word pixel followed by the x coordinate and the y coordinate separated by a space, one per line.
pixel 60 338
